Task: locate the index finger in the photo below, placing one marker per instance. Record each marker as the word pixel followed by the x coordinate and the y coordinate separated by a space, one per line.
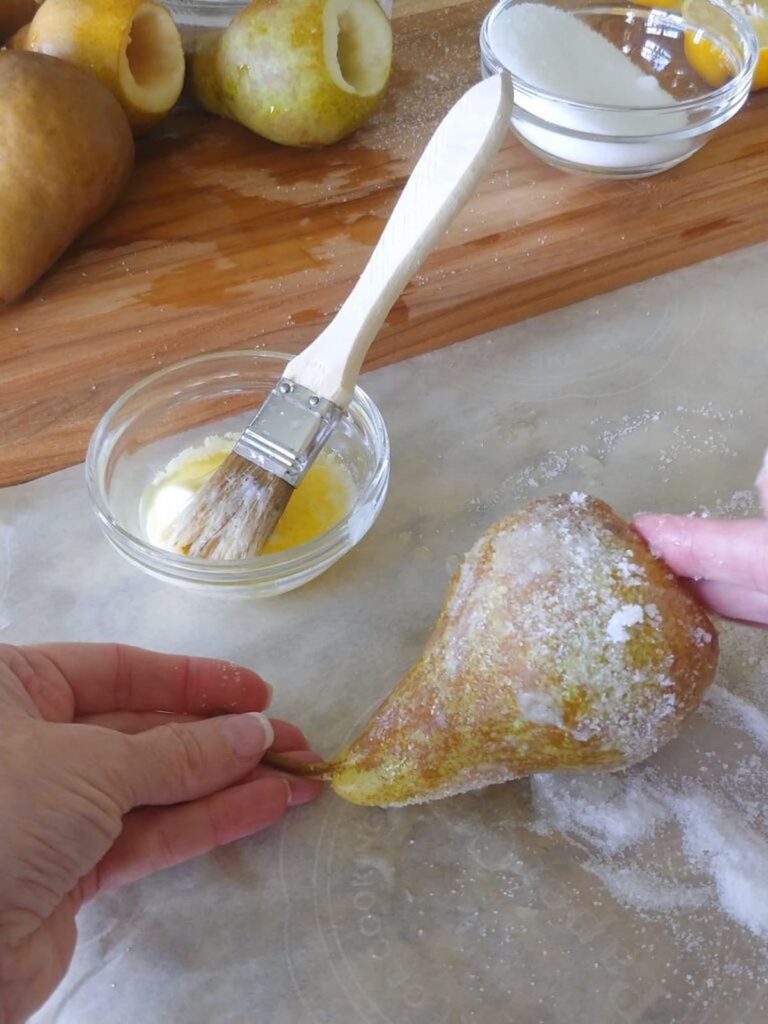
pixel 726 550
pixel 116 677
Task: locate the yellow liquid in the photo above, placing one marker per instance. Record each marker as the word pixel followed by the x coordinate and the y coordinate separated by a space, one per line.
pixel 322 498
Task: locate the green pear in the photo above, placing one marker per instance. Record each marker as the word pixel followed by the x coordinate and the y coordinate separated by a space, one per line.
pixel 563 643
pixel 298 72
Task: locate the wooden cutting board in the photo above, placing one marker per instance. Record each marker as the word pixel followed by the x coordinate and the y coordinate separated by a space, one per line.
pixel 225 240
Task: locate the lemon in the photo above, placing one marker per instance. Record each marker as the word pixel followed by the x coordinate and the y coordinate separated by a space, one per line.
pixel 709 60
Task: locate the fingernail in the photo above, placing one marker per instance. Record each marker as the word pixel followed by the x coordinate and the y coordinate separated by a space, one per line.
pixel 302 791
pixel 270 691
pixel 249 734
pixel 763 474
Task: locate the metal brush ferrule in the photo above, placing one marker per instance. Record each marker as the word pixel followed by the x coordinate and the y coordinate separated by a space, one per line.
pixel 287 433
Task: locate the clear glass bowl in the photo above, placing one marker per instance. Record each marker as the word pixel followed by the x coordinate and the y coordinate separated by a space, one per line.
pixel 608 137
pixel 204 14
pixel 212 394
pixel 200 22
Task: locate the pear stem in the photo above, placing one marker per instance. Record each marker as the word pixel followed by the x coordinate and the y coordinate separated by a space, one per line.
pixel 316 769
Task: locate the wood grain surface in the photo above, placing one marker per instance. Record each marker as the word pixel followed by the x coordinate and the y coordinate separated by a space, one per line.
pixel 224 240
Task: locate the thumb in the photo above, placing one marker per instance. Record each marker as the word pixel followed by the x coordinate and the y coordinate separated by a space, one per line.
pixel 183 761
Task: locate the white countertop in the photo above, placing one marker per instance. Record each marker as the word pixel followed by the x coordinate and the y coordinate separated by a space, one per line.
pixel 477 910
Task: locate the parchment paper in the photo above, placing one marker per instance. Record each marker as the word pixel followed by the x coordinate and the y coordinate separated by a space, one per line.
pixel 478 909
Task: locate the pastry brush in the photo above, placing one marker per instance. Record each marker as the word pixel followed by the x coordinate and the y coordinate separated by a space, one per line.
pixel 235 511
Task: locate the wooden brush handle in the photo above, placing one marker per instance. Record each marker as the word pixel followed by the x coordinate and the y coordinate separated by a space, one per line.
pixel 446 175
pixel 316 769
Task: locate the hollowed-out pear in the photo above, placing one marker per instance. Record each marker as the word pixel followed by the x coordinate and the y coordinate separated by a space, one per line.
pixel 132 46
pixel 298 72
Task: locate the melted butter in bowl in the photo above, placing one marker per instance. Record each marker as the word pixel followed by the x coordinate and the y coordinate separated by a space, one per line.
pixel 145 460
pixel 323 498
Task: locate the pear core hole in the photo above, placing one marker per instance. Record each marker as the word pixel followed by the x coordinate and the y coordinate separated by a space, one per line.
pixel 153 65
pixel 149 56
pixel 362 47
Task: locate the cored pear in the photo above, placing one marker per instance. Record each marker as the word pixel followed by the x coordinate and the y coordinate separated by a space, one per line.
pixel 132 46
pixel 563 643
pixel 298 72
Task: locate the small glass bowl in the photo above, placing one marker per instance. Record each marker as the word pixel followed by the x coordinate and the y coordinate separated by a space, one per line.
pixel 213 394
pixel 205 13
pixel 604 137
pixel 200 22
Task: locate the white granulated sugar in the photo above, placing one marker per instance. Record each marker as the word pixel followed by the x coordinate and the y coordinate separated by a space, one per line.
pixel 630 570
pixel 732 853
pixel 654 615
pixel 730 709
pixel 611 811
pixel 566 624
pixel 645 891
pixel 557 52
pixel 620 817
pixel 538 708
pixel 620 622
pixel 577 498
pixel 554 56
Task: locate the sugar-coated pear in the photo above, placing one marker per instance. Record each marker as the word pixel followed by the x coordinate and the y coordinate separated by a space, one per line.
pixel 563 643
pixel 298 72
pixel 132 46
pixel 66 152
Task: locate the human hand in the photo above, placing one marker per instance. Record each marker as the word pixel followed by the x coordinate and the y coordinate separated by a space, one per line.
pixel 98 787
pixel 726 558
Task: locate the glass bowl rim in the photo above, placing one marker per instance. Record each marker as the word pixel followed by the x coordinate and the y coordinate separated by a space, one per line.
pixel 731 90
pixel 279 565
pixel 208 6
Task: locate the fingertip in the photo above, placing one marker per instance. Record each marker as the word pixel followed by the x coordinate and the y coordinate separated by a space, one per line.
pixel 650 520
pixel 303 790
pixel 652 528
pixel 660 529
pixel 248 734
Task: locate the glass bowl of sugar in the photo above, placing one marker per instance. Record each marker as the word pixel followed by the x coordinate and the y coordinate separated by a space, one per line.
pixel 613 90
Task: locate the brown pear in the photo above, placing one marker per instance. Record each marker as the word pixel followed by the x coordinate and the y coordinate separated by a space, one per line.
pixel 563 643
pixel 14 14
pixel 66 152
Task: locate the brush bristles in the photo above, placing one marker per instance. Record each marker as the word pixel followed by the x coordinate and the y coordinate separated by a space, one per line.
pixel 233 514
